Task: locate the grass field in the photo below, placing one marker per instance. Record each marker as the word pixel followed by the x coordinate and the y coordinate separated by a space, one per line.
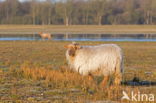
pixel 37 72
pixel 78 29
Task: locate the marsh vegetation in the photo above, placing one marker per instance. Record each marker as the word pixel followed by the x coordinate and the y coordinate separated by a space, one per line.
pixel 36 71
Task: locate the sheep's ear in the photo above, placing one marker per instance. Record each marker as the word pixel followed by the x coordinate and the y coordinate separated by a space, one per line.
pixel 66 46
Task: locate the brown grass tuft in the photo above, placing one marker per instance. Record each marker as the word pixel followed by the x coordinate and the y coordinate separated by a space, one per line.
pixel 60 78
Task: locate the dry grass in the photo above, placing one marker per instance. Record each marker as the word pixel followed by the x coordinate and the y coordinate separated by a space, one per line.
pixel 38 73
pixel 74 29
pixel 61 78
pixel 64 79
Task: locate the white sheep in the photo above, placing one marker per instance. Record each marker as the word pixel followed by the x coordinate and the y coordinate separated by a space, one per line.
pixel 105 59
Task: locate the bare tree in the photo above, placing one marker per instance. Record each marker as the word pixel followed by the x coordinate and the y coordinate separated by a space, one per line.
pixel 33 11
pixel 69 12
pixel 99 6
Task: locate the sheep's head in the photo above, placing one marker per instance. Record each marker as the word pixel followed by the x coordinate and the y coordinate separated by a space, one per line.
pixel 39 33
pixel 71 48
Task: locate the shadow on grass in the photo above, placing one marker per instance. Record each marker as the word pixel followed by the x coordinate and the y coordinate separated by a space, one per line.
pixel 137 82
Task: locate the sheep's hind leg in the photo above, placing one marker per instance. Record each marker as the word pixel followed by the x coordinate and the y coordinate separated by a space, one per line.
pixel 118 79
pixel 105 81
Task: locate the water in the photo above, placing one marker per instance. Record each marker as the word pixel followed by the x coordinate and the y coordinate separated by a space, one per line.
pixel 81 37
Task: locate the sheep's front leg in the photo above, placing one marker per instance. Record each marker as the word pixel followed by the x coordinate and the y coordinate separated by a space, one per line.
pixel 105 81
pixel 90 77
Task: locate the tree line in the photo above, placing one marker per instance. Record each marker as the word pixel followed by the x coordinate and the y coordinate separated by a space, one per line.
pixel 78 12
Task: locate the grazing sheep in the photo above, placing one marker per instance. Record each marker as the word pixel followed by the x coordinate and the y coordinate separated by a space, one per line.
pixel 45 35
pixel 105 59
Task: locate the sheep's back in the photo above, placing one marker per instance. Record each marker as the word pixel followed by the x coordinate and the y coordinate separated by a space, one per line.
pixel 92 58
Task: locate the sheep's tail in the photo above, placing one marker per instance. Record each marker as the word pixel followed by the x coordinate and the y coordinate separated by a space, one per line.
pixel 119 71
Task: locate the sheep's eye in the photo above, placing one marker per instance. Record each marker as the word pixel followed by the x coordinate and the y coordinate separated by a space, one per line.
pixel 71 52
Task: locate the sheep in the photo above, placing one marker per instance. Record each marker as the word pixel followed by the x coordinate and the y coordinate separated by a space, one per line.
pixel 105 59
pixel 45 35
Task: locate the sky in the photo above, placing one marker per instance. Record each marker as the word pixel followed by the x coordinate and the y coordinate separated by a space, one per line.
pixel 27 0
pixel 30 0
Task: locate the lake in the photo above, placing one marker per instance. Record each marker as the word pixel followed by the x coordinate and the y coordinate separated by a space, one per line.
pixel 81 37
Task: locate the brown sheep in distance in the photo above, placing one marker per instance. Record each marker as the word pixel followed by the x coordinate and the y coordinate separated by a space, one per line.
pixel 45 35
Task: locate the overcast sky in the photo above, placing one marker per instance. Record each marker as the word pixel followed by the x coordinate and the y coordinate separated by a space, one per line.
pixel 30 0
